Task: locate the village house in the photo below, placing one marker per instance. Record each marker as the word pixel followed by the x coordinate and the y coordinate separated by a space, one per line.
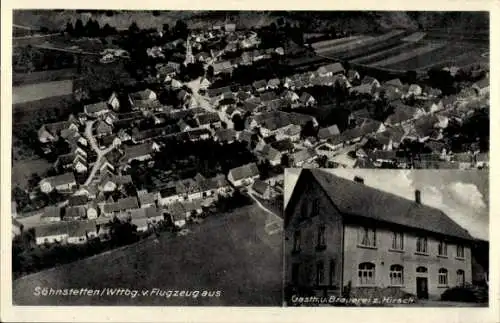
pixel 80 232
pixel 225 135
pixel 328 132
pixel 61 183
pixel 243 175
pixel 277 122
pixel 52 214
pixel 331 69
pixel 353 76
pixel 302 157
pixel 114 102
pixel 222 67
pixel 208 120
pixel 370 80
pixel 267 152
pixel 96 109
pixel 307 100
pixel 261 189
pixel 50 132
pixel 355 135
pixel 260 85
pixel 51 233
pixel 403 114
pixel 292 133
pixel 138 152
pixel 482 87
pixel 120 206
pixel 413 91
pixel 354 235
pixel 110 183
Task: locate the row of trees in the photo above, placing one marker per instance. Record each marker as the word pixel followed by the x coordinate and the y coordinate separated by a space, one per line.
pixel 90 29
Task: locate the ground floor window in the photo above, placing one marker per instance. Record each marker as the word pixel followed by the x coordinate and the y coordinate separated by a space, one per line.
pixel 443 277
pixel 320 273
pixel 366 273
pixel 396 275
pixel 460 277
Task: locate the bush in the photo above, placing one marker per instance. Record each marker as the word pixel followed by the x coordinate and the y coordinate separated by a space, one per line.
pixel 459 294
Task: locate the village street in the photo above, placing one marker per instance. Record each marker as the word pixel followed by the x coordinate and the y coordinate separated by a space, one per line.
pixel 100 153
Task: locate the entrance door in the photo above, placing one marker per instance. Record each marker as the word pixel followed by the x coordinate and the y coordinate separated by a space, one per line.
pixel 422 291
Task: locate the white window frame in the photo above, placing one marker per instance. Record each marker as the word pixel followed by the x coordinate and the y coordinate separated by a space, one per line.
pixel 443 277
pixel 366 276
pixel 460 277
pixel 462 249
pixel 442 249
pixel 396 275
pixel 397 241
pixel 367 237
pixel 422 242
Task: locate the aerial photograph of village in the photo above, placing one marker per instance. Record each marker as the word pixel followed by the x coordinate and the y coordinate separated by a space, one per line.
pixel 149 147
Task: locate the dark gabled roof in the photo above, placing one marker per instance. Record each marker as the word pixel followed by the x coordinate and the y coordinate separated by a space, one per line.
pixel 260 186
pixel 268 96
pixel 76 200
pixel 226 134
pixel 218 91
pixel 131 152
pixel 62 179
pixel 208 118
pixel 245 171
pixel 123 204
pixel 356 199
pixel 283 145
pixel 81 228
pixel 328 132
pixel 395 83
pixel 259 84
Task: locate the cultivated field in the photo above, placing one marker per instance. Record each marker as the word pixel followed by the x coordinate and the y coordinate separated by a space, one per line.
pixel 23 169
pixel 43 76
pixel 420 51
pixel 402 51
pixel 231 253
pixel 39 91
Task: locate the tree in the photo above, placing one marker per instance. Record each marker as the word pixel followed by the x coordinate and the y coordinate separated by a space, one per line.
pixel 21 197
pixel 69 29
pixel 285 160
pixel 133 28
pixel 79 29
pixel 239 122
pixel 308 130
pixel 166 28
pixel 181 29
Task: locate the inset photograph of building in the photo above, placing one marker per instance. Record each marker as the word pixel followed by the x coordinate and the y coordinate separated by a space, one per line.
pixel 361 237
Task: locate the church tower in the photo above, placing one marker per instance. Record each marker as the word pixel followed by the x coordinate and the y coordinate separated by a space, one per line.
pixel 189 53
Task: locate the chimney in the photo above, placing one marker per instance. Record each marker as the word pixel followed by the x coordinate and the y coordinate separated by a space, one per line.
pixel 417 197
pixel 358 179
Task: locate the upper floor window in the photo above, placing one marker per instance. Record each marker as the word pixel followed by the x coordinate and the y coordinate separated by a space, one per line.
pixel 296 241
pixel 460 277
pixel 367 237
pixel 443 277
pixel 321 236
pixel 320 273
pixel 397 241
pixel 460 251
pixel 422 244
pixel 366 273
pixel 442 248
pixel 396 275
